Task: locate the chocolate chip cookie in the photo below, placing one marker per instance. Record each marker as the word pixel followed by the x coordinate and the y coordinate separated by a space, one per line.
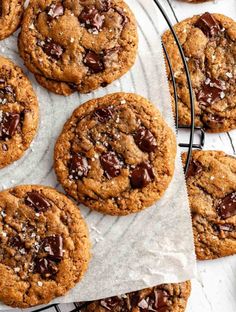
pixel 78 45
pixel 116 154
pixel 209 44
pixel 10 16
pixel 211 183
pixel 44 245
pixel 163 298
pixel 18 112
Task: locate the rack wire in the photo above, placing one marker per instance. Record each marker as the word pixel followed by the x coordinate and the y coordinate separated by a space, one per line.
pixel 192 129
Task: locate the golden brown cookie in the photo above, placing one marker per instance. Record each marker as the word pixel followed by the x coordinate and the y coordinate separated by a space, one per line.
pixel 162 298
pixel 209 44
pixel 211 183
pixel 44 245
pixel 61 88
pixel 116 154
pixel 10 16
pixel 84 44
pixel 18 112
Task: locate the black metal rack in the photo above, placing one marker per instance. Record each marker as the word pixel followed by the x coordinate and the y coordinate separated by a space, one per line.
pixel 190 145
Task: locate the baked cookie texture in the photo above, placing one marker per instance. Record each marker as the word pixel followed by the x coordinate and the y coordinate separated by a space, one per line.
pixel 163 298
pixel 78 45
pixel 209 44
pixel 10 16
pixel 115 154
pixel 211 184
pixel 18 112
pixel 44 245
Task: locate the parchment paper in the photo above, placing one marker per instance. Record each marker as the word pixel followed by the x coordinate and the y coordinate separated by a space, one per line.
pixel 129 253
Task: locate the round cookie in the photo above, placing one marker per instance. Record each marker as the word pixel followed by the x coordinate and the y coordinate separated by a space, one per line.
pixel 115 154
pixel 211 183
pixel 44 245
pixel 208 42
pixel 18 112
pixel 163 298
pixel 10 16
pixel 87 44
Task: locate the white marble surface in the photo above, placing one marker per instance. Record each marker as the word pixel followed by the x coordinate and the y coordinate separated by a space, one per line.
pixel 215 288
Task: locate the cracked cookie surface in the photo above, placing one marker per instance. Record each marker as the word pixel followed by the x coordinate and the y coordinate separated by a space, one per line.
pixel 211 184
pixel 18 112
pixel 10 16
pixel 44 245
pixel 78 45
pixel 162 298
pixel 209 44
pixel 116 154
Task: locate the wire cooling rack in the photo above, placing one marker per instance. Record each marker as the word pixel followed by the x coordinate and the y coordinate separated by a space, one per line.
pixel 190 145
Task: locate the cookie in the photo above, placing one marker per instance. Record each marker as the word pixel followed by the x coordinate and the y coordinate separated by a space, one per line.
pixel 211 183
pixel 163 298
pixel 85 44
pixel 18 112
pixel 61 88
pixel 116 154
pixel 44 245
pixel 10 16
pixel 208 41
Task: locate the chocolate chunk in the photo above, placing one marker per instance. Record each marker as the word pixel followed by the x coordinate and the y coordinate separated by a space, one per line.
pixel 94 61
pixel 7 95
pixel 104 5
pixel 55 10
pixel 16 241
pixel 145 140
pixel 104 114
pixel 111 164
pixel 223 227
pixel 194 168
pixel 142 175
pixel 156 301
pixel 110 303
pixel 45 267
pixel 8 89
pixel 211 91
pixel 8 125
pixel 208 25
pixel 212 118
pixel 121 12
pixel 73 86
pixel 37 201
pixel 78 166
pixel 91 18
pixel 227 206
pixel 104 84
pixel 52 49
pixel 53 245
pixel 4 147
